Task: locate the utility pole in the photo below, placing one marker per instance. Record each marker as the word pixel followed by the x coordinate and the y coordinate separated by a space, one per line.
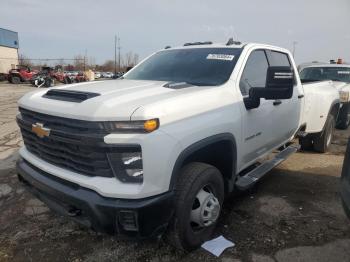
pixel 119 47
pixel 85 56
pixel 294 47
pixel 115 56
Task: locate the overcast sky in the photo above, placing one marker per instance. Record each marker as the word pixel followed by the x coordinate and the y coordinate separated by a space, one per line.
pixel 65 28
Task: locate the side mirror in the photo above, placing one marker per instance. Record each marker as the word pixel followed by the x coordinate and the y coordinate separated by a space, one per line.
pixel 279 85
pixel 279 82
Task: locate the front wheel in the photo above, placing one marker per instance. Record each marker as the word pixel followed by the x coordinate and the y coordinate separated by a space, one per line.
pixel 199 195
pixel 15 80
pixel 323 141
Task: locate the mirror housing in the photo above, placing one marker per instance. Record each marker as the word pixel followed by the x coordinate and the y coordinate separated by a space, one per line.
pixel 279 85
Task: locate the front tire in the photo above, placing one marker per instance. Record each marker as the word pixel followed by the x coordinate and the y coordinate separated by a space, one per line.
pixel 323 141
pixel 15 80
pixel 199 194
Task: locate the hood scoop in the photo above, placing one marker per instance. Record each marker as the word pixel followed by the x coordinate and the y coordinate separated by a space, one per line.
pixel 69 95
pixel 177 85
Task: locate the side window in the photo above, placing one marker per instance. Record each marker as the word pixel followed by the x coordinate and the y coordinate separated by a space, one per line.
pixel 279 59
pixel 254 73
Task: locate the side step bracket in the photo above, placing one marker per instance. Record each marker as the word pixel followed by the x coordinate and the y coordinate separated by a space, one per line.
pixel 251 178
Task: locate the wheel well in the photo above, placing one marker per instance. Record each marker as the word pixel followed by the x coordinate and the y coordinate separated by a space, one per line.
pixel 220 154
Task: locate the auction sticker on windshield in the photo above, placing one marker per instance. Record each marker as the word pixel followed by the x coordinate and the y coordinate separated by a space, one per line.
pixel 220 57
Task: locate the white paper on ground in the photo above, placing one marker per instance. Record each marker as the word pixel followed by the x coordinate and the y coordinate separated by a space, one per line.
pixel 217 245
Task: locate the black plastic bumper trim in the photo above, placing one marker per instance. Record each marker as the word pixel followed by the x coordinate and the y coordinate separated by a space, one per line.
pixel 90 209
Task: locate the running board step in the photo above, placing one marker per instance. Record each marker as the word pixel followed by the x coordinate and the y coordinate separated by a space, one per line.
pixel 248 180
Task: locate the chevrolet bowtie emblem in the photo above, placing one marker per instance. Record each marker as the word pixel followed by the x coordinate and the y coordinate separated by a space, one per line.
pixel 40 130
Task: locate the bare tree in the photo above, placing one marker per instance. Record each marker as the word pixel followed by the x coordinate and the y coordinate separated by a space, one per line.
pixel 135 59
pixel 60 62
pixel 24 60
pixel 78 62
pixel 92 62
pixel 130 59
pixel 107 66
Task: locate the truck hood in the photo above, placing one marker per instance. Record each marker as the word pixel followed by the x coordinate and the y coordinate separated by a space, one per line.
pixel 117 99
pixel 341 86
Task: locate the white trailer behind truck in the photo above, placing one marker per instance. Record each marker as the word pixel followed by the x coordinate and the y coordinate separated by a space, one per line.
pixel 159 149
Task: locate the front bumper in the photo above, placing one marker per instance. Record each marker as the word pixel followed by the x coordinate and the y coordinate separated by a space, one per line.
pixel 141 218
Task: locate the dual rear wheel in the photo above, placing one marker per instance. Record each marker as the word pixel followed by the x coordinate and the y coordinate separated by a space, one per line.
pixel 322 141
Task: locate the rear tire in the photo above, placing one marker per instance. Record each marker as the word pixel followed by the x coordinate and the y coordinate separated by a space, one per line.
pixel 344 117
pixel 199 188
pixel 48 82
pixel 306 143
pixel 323 141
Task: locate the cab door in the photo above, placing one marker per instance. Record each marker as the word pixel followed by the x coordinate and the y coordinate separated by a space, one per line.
pixel 273 122
pixel 287 111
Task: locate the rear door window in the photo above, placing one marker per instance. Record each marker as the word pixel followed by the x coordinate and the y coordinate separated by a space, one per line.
pixel 279 59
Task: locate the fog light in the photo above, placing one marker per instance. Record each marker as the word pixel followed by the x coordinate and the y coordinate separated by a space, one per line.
pixel 128 220
pixel 127 166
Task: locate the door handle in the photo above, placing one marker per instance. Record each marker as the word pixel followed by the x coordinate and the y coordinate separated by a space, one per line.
pixel 277 102
pixel 300 96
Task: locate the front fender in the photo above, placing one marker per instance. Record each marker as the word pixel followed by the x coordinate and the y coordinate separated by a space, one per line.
pixel 320 100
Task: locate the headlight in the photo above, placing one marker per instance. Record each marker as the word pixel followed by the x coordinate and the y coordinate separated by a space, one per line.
pixel 127 166
pixel 344 96
pixel 140 126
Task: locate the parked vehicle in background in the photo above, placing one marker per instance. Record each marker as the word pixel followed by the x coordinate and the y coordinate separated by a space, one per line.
pixel 80 77
pixel 118 74
pixel 21 74
pixel 3 76
pixel 107 74
pixel 160 148
pixel 340 75
pixel 44 78
pixel 345 181
pixel 97 75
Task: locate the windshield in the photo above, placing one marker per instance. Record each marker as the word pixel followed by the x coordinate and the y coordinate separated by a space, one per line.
pixel 196 66
pixel 325 73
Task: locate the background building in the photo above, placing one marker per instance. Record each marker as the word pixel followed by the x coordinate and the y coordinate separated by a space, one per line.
pixel 8 50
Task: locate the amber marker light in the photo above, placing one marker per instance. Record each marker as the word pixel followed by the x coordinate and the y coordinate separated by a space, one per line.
pixel 151 125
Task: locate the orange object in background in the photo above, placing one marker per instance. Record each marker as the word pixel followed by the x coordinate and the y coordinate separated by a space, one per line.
pixel 339 61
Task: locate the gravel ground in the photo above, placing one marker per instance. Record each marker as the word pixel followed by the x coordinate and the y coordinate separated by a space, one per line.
pixel 294 214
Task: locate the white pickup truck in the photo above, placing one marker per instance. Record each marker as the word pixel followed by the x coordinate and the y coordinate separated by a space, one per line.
pixel 339 74
pixel 159 149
